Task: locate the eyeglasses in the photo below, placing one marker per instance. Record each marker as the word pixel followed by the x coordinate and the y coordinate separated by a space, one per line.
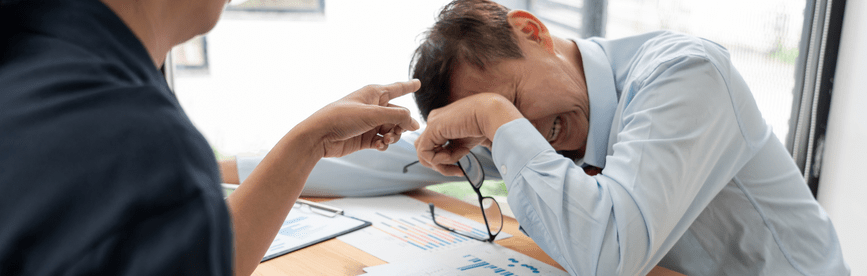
pixel 491 212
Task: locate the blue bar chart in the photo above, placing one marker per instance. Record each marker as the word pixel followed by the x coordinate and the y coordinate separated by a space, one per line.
pixel 484 259
pixel 513 265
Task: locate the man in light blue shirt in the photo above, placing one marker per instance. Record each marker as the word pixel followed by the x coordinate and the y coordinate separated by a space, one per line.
pixel 692 178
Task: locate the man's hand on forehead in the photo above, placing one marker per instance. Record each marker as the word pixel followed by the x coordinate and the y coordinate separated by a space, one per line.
pixel 454 129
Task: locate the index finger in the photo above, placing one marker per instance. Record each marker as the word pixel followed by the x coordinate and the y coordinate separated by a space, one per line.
pixel 398 89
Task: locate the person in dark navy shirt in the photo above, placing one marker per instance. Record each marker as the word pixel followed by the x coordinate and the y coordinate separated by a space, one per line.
pixel 103 173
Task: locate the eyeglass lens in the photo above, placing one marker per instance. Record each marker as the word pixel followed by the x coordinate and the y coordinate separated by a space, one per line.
pixel 473 169
pixel 491 209
pixel 493 215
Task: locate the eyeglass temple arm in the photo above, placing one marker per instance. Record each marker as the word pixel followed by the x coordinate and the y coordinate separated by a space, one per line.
pixel 406 168
pixel 433 217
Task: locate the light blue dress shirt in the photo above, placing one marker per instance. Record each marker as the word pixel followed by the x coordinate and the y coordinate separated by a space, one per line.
pixel 693 178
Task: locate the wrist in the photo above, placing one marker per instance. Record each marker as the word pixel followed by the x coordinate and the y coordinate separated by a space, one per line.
pixel 496 111
pixel 303 141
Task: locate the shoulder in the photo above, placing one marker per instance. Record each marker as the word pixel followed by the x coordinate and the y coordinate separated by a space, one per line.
pixel 62 103
pixel 142 126
pixel 678 67
pixel 673 44
pixel 120 133
pixel 664 49
pixel 104 162
pixel 677 58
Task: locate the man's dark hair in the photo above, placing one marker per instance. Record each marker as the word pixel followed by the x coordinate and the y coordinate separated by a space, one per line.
pixel 474 31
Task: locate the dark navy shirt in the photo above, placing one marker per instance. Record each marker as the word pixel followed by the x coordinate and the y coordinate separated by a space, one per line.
pixel 101 172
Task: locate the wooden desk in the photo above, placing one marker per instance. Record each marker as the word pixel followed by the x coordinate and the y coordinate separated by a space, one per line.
pixel 334 257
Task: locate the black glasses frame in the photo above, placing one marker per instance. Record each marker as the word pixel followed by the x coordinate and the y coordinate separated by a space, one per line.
pixel 476 187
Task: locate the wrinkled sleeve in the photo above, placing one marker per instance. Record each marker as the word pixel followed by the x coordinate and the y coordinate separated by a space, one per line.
pixel 677 143
pixel 371 172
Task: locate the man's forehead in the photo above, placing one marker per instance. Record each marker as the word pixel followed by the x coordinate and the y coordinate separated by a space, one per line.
pixel 468 79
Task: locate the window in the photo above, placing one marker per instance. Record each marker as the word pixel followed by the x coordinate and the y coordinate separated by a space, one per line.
pixel 277 6
pixel 762 37
pixel 271 63
pixel 191 57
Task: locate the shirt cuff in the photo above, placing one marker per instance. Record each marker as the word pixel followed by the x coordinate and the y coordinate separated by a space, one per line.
pixel 514 145
pixel 246 166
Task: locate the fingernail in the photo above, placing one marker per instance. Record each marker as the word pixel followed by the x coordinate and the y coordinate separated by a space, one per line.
pixel 391 140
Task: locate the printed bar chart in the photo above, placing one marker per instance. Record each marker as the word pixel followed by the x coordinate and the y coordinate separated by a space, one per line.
pixel 420 232
pixel 402 227
pixel 483 259
pixel 303 227
pixel 477 263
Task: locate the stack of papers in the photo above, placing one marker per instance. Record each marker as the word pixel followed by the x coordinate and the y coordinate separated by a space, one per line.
pixel 403 234
pixel 402 227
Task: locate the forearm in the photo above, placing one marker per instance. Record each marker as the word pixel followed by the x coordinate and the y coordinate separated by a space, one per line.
pixel 367 172
pixel 374 173
pixel 229 171
pixel 552 198
pixel 371 173
pixel 259 206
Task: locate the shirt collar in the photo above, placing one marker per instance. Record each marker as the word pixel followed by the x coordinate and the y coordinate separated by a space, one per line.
pixel 603 101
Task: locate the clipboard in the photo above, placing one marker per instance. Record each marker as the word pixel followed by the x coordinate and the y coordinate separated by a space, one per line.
pixel 307 224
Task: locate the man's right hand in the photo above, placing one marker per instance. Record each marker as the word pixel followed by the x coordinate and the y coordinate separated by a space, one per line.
pixel 454 129
pixel 363 119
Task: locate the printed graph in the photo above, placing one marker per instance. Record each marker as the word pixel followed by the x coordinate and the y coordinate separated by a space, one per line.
pixel 303 227
pixel 402 227
pixel 513 265
pixel 484 259
pixel 421 232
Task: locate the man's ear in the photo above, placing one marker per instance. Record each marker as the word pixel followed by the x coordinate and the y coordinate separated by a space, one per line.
pixel 531 28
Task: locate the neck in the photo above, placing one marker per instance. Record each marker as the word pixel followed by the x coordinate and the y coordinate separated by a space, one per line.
pixel 570 50
pixel 141 17
pixel 572 55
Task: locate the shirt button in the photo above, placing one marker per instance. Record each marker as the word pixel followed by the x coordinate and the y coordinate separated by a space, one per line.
pixel 503 170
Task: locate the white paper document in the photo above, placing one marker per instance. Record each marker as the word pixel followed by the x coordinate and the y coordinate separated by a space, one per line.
pixel 483 259
pixel 304 227
pixel 402 227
